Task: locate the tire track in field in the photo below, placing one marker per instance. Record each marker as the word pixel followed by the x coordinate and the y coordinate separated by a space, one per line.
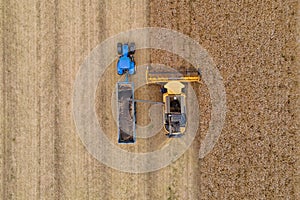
pixel 18 132
pixel 122 16
pixel 79 29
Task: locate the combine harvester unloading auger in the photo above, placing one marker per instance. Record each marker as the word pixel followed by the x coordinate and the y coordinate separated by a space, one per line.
pixel 174 96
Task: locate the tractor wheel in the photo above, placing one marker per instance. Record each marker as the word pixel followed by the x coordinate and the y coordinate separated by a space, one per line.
pixel 121 72
pixel 119 47
pixel 132 47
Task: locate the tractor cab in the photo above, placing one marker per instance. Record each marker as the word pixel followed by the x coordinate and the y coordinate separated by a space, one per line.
pixel 126 60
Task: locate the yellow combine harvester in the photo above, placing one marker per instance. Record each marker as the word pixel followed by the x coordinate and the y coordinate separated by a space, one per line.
pixel 174 96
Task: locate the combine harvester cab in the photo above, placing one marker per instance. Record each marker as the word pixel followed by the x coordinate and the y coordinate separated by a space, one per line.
pixel 174 97
pixel 126 112
pixel 174 109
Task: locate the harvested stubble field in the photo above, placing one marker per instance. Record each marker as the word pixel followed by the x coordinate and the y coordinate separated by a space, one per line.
pixel 254 46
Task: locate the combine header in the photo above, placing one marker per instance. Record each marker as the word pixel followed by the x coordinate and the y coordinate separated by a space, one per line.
pixel 162 76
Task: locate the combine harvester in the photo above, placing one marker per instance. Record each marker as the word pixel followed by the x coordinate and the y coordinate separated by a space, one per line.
pixel 174 96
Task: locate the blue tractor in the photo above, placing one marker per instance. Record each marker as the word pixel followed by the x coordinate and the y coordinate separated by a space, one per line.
pixel 126 61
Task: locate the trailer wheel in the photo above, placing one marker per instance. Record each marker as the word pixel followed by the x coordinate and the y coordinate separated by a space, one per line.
pixel 199 72
pixel 135 111
pixel 119 48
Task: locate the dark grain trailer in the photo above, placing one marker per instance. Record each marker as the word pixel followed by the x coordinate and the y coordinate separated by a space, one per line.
pixel 126 112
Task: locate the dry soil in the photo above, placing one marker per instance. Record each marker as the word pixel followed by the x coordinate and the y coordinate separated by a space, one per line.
pixel 254 46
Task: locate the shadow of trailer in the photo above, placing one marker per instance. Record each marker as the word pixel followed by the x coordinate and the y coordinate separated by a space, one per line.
pixel 126 109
